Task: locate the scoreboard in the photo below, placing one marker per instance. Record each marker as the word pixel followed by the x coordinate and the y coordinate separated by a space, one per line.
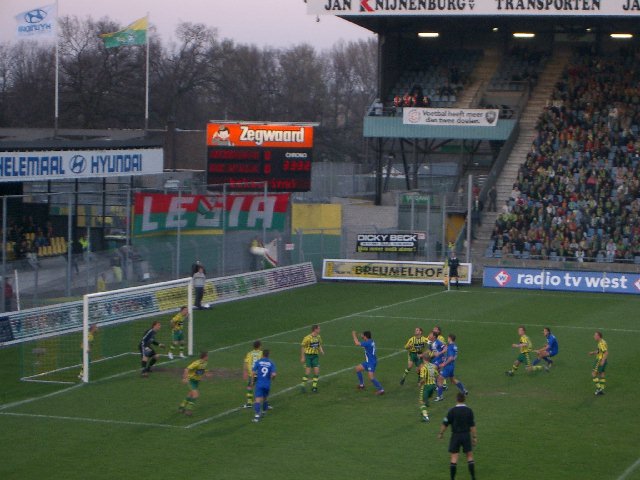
pixel 242 154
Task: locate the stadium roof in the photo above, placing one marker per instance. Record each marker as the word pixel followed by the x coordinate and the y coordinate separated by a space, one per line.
pixel 44 138
pixel 566 16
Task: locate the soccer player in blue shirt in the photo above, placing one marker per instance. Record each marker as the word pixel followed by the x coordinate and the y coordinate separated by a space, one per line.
pixel 370 361
pixel 546 352
pixel 438 349
pixel 264 370
pixel 447 368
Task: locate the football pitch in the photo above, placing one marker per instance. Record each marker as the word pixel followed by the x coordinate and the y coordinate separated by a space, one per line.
pixel 530 426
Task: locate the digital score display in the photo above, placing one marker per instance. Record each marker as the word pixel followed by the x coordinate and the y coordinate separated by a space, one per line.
pixel 285 169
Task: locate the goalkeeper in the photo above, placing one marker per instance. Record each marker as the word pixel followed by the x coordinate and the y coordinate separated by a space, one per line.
pixel 177 332
pixel 149 355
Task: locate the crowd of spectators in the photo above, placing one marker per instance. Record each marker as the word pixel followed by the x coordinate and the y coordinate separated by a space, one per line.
pixel 577 195
pixel 26 236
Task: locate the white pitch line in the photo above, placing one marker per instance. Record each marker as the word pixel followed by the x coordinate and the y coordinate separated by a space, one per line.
pixel 90 420
pixel 42 397
pixel 629 470
pixel 453 320
pixel 286 390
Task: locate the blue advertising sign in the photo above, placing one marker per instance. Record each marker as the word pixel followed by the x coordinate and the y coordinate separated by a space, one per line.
pixel 561 280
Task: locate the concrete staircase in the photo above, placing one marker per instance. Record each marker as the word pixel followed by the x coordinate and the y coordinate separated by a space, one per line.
pixel 538 100
pixel 481 75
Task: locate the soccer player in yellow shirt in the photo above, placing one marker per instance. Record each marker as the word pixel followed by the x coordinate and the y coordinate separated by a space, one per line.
pixel 415 346
pixel 91 337
pixel 525 347
pixel 600 365
pixel 177 331
pixel 247 372
pixel 428 375
pixel 192 375
pixel 310 348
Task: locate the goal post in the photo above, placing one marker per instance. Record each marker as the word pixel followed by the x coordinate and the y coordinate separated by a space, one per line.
pixel 109 309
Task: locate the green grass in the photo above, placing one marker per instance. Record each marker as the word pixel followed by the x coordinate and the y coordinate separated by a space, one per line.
pixel 545 425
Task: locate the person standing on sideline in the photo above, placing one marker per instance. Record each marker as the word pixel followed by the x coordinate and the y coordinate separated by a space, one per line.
pixel 525 352
pixel 310 348
pixel 463 434
pixel 447 368
pixel 600 365
pixel 370 361
pixel 249 361
pixel 149 355
pixel 452 264
pixel 196 266
pixel 192 375
pixel 546 352
pixel 264 371
pixel 177 332
pixel 199 281
pixel 415 346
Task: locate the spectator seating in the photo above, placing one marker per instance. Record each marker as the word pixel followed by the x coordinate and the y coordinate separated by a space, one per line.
pixel 578 191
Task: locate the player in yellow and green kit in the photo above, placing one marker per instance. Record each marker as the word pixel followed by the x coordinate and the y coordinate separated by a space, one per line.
pixel 177 331
pixel 428 375
pixel 247 373
pixel 91 337
pixel 525 347
pixel 192 375
pixel 310 350
pixel 600 365
pixel 415 346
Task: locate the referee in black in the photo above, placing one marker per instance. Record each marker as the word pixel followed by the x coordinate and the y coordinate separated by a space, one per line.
pixel 463 434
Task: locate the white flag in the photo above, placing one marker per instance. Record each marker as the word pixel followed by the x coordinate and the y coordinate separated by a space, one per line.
pixel 37 23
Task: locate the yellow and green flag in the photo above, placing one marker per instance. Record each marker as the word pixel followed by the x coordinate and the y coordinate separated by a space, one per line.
pixel 133 34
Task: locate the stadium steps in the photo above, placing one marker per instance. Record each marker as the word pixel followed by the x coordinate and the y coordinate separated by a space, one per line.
pixel 538 101
pixel 482 74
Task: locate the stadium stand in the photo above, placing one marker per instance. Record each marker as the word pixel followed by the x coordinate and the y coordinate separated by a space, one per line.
pixel 577 196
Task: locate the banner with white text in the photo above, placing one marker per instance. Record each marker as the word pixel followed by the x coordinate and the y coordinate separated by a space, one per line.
pixel 561 280
pixel 494 8
pixel 454 117
pixel 157 212
pixel 72 164
pixel 389 271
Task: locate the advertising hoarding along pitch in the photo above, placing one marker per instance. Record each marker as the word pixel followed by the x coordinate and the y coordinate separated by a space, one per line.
pixel 388 271
pixel 387 242
pixel 561 280
pixel 493 8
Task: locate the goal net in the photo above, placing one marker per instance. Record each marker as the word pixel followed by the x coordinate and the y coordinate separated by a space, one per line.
pixel 96 337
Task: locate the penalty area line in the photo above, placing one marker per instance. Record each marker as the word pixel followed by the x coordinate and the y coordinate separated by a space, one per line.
pixel 91 420
pixel 282 392
pixel 629 470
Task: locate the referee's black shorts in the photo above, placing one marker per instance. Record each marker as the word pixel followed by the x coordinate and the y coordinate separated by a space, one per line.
pixel 460 440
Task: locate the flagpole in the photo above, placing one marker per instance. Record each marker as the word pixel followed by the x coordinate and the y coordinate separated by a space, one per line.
pixel 146 87
pixel 56 109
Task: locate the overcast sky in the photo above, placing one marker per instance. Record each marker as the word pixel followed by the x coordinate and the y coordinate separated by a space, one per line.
pixel 278 23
